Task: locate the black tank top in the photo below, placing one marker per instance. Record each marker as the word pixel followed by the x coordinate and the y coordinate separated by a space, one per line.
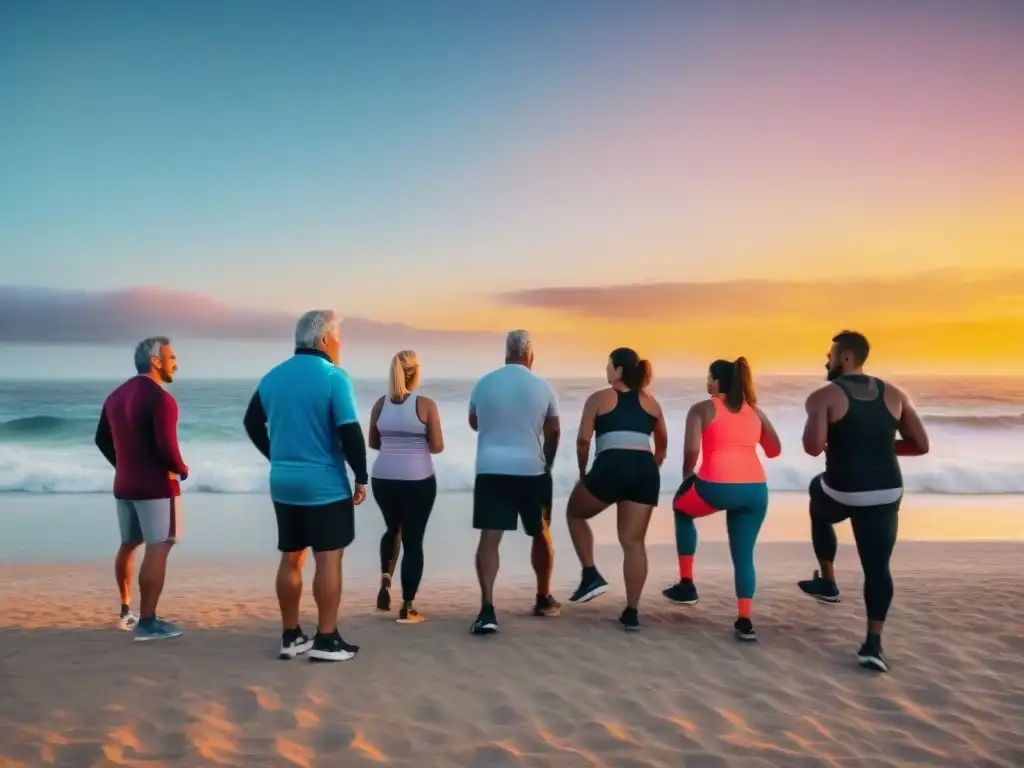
pixel 628 415
pixel 861 450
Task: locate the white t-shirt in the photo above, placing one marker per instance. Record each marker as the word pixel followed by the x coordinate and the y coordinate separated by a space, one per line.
pixel 511 404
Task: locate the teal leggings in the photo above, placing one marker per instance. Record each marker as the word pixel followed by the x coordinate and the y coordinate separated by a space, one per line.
pixel 745 506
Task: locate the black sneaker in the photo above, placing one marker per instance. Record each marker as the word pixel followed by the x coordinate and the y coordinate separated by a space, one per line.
pixel 384 597
pixel 547 606
pixel 820 589
pixel 294 642
pixel 486 622
pixel 684 592
pixel 332 647
pixel 630 620
pixel 870 657
pixel 592 585
pixel 744 629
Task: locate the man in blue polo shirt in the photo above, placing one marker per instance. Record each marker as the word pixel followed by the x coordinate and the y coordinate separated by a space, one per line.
pixel 303 418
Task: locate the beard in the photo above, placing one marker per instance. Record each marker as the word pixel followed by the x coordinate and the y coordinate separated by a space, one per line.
pixel 831 374
pixel 166 377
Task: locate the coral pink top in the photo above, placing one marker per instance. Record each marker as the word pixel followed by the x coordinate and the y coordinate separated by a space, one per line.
pixel 729 446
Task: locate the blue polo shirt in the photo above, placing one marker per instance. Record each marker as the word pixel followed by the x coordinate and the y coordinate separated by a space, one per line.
pixel 306 398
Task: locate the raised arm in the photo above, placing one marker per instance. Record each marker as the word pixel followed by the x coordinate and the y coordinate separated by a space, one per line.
pixel 435 435
pixel 770 443
pixel 165 429
pixel 586 432
pixel 816 426
pixel 660 435
pixel 346 423
pixel 255 423
pixel 552 430
pixel 914 440
pixel 105 439
pixel 691 442
pixel 373 439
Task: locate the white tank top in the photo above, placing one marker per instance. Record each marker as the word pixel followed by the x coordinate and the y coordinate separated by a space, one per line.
pixel 404 452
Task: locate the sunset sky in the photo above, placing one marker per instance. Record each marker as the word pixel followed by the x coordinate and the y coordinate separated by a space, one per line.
pixel 693 179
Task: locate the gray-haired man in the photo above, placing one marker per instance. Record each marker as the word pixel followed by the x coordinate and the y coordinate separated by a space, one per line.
pixel 137 433
pixel 515 415
pixel 303 417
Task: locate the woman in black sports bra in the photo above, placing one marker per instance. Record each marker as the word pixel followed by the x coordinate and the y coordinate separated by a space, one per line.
pixel 625 472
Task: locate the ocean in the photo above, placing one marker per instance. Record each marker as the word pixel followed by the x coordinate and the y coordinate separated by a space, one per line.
pixel 47 427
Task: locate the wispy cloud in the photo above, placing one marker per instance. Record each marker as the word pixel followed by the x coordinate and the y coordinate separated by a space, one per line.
pixel 48 315
pixel 941 294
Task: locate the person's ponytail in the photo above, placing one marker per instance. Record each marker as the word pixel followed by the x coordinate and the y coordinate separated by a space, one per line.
pixel 638 376
pixel 741 389
pixel 404 375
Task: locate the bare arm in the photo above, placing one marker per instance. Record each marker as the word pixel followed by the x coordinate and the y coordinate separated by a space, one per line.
pixel 660 436
pixel 816 426
pixel 552 434
pixel 435 436
pixel 586 432
pixel 914 440
pixel 691 443
pixel 373 439
pixel 770 442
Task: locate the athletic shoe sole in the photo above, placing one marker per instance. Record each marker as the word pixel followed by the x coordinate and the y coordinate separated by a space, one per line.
pixel 823 598
pixel 417 620
pixel 872 662
pixel 483 629
pixel 147 638
pixel 680 602
pixel 588 596
pixel 317 655
pixel 746 637
pixel 291 651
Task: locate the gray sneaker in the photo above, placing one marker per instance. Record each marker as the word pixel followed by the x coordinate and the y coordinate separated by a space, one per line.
pixel 157 630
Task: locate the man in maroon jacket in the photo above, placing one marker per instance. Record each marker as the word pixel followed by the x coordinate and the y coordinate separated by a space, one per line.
pixel 138 435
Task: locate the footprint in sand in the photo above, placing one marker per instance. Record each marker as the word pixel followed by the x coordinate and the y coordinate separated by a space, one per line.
pixel 493 757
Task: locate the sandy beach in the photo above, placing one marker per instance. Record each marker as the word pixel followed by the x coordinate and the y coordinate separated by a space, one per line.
pixel 566 691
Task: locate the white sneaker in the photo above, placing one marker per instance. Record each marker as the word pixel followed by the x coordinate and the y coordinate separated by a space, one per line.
pixel 128 621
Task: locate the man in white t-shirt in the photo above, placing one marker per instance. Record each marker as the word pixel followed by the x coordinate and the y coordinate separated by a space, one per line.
pixel 515 415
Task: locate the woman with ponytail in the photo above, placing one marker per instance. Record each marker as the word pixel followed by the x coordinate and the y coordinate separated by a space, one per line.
pixel 726 428
pixel 406 430
pixel 625 472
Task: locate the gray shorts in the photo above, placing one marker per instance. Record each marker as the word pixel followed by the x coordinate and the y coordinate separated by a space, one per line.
pixel 153 521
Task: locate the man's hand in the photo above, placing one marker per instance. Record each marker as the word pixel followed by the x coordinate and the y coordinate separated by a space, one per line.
pixel 359 494
pixel 171 475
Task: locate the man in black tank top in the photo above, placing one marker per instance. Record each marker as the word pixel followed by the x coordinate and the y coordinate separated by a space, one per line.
pixel 854 420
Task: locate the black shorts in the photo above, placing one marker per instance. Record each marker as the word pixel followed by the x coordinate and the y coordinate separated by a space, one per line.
pixel 499 501
pixel 321 527
pixel 624 475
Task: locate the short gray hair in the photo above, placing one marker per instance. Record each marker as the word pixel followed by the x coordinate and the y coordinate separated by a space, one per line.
pixel 518 344
pixel 313 326
pixel 147 349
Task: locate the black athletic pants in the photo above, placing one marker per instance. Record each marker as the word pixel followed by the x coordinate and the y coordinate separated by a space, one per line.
pixel 406 506
pixel 874 530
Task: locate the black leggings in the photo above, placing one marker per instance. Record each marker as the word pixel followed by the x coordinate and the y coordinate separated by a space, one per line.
pixel 406 506
pixel 874 530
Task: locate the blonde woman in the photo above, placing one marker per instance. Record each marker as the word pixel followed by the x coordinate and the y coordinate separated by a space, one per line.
pixel 406 431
